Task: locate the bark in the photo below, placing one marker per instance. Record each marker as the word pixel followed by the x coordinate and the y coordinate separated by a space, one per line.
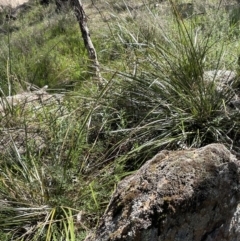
pixel 82 20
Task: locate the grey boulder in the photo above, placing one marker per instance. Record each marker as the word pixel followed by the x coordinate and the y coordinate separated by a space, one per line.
pixel 187 195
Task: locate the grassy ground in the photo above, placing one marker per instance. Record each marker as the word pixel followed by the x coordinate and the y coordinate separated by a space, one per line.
pixel 63 160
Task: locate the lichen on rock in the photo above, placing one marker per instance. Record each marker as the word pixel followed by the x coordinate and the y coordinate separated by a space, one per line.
pixel 188 195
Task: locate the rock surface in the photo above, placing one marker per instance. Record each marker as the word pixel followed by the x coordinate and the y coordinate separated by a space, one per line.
pixel 189 195
pixel 36 99
pixel 226 81
pixel 13 137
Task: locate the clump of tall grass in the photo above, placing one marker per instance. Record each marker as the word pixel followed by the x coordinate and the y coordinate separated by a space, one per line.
pixel 164 100
pixel 47 178
pixel 36 184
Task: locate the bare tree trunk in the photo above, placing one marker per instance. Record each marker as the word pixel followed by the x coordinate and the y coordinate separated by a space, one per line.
pixel 82 20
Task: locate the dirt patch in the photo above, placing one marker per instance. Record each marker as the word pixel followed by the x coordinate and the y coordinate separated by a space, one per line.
pixel 12 3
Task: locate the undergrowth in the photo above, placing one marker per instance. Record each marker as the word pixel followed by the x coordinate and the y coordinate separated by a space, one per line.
pixel 60 161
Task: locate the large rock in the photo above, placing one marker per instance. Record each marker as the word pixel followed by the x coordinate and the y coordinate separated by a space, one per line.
pixel 18 135
pixel 189 195
pixel 226 81
pixel 37 99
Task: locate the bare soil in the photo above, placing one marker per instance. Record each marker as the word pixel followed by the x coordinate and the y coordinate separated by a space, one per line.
pixel 12 3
